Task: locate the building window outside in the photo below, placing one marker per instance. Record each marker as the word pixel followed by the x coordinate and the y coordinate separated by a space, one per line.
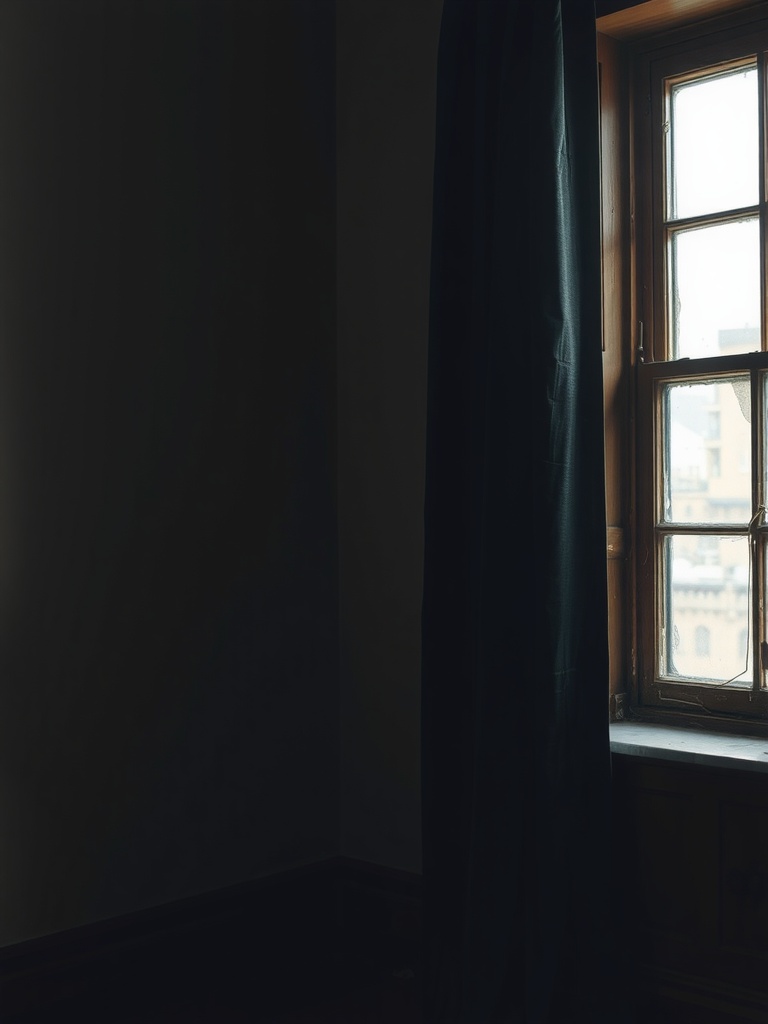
pixel 702 641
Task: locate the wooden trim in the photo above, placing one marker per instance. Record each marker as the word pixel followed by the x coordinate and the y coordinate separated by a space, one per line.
pixel 614 544
pixel 627 21
pixel 614 157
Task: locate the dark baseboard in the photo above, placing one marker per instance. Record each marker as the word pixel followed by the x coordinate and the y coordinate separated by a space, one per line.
pixel 300 928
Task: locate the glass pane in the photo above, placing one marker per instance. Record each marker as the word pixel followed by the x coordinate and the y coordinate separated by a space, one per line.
pixel 706 616
pixel 714 289
pixel 714 144
pixel 706 451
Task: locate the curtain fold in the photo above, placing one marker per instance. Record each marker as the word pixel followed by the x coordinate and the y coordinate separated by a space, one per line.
pixel 516 760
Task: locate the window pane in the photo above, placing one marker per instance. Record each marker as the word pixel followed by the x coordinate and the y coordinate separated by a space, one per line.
pixel 713 143
pixel 706 446
pixel 714 290
pixel 706 609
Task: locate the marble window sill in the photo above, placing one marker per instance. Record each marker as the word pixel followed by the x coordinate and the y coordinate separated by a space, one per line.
pixel 667 743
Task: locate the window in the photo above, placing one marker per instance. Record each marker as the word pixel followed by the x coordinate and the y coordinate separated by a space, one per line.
pixel 692 260
pixel 702 642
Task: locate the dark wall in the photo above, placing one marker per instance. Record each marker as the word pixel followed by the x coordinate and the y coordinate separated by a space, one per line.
pixel 168 563
pixel 386 60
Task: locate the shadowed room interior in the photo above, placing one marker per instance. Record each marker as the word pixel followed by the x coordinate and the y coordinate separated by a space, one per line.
pixel 216 238
pixel 216 224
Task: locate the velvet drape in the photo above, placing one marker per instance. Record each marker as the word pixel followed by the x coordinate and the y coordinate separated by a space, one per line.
pixel 516 759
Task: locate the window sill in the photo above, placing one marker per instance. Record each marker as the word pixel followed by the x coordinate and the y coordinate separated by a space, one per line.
pixel 667 743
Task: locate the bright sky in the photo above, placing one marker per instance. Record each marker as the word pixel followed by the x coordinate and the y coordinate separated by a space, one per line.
pixel 714 147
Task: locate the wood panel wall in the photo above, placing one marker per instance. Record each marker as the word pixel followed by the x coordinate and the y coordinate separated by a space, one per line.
pixel 693 844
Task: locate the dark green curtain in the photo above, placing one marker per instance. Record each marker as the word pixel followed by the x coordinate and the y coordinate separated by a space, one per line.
pixel 516 759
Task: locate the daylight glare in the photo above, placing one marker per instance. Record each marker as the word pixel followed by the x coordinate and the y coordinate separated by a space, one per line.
pixel 713 165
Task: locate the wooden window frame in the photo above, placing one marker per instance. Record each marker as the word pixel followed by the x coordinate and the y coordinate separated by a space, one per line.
pixel 633 63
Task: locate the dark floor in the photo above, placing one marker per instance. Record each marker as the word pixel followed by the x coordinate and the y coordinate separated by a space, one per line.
pixel 265 958
pixel 370 997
